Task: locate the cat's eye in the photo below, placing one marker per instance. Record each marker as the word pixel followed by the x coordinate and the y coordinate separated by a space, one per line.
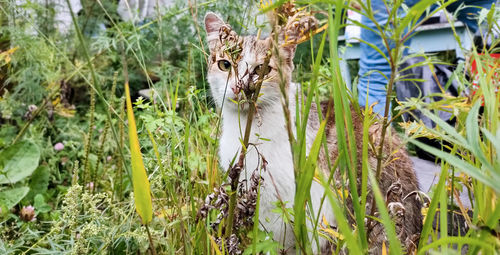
pixel 224 65
pixel 260 69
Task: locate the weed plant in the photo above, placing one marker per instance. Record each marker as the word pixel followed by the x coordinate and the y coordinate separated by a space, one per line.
pixel 63 135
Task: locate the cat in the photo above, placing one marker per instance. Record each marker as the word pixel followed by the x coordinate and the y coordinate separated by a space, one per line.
pixel 234 64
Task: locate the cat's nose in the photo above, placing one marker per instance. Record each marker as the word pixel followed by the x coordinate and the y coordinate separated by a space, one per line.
pixel 235 89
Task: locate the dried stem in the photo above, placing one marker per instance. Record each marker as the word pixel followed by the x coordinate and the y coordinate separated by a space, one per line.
pixel 151 244
pixel 100 153
pixel 88 143
pixel 235 171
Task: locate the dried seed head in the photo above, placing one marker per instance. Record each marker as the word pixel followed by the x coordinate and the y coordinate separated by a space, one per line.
pixel 230 244
pixel 245 207
pixel 29 114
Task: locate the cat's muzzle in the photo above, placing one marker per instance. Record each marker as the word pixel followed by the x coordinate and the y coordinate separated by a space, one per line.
pixel 247 86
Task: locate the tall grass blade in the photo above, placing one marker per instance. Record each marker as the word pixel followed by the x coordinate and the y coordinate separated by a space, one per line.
pixel 472 132
pixel 95 85
pixel 443 215
pixel 142 192
pixel 395 244
pixel 304 185
pixel 343 120
pixel 431 212
pixel 342 223
pixel 494 140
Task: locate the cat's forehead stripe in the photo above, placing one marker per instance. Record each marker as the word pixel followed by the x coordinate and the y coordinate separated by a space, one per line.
pixel 253 48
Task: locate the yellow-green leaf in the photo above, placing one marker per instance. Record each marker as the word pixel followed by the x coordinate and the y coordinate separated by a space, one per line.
pixel 142 193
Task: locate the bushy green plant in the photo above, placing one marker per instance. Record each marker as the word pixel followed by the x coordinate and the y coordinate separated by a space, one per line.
pixel 82 193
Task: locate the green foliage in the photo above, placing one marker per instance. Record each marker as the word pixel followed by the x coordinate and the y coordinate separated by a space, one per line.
pixel 263 243
pixel 11 197
pixel 39 182
pixel 82 194
pixel 40 204
pixel 18 161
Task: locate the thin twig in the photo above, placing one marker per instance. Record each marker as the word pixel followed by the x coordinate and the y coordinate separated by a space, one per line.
pixel 35 114
pixel 393 65
pixel 236 170
pixel 152 249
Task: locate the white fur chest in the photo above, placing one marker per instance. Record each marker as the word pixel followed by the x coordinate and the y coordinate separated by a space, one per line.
pixel 269 140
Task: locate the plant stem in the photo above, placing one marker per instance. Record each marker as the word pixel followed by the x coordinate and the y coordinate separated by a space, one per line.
pixel 235 171
pixel 152 249
pixel 385 124
pixel 380 152
pixel 35 113
pixel 86 164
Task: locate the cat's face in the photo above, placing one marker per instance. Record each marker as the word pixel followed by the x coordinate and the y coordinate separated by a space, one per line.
pixel 235 63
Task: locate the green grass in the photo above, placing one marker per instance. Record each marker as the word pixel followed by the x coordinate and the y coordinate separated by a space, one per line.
pixel 83 194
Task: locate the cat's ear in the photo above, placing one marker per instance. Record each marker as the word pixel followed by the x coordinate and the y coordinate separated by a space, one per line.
pixel 213 23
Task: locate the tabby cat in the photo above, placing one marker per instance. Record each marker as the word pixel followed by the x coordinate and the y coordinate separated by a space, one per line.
pixel 234 64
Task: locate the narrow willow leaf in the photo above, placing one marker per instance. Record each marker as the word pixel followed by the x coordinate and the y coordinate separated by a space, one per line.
pixel 142 193
pixel 458 240
pixel 451 134
pixel 414 12
pixel 491 181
